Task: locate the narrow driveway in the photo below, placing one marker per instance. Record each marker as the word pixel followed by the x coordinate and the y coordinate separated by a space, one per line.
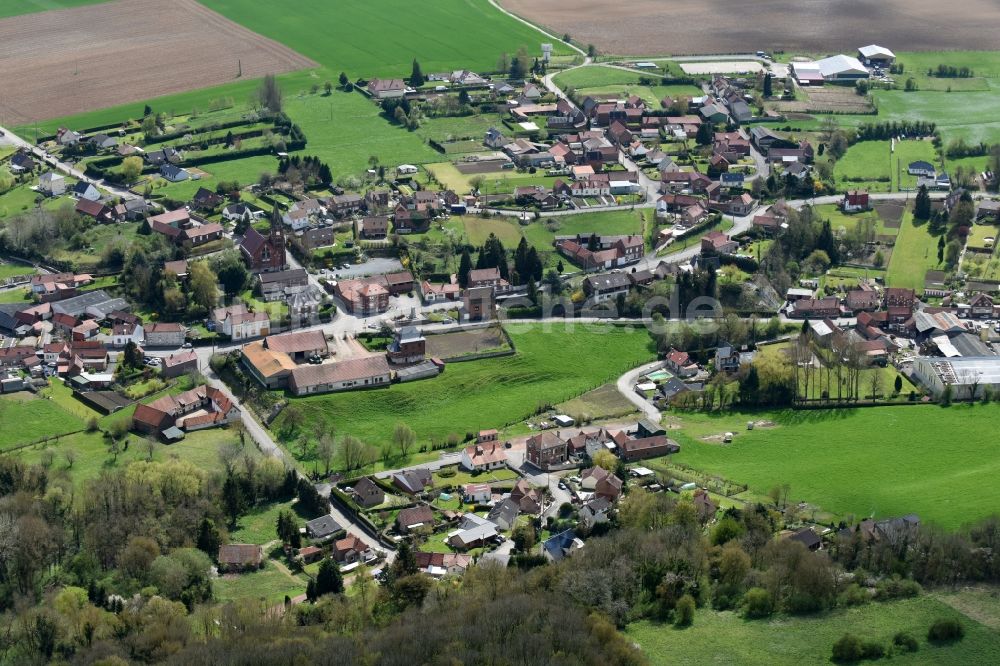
pixel 626 384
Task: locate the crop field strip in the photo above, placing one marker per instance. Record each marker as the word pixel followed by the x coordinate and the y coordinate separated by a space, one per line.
pixel 91 57
pixel 647 27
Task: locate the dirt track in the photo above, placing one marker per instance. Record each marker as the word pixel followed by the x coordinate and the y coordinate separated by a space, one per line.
pixel 67 61
pixel 650 27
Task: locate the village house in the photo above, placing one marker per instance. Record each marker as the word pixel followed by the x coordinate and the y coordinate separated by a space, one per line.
pixel 351 549
pixel 649 441
pixel 601 482
pixel 239 323
pixel 372 227
pixel 855 201
pixel 727 358
pixel 716 242
pixel 185 229
pixel 413 481
pixel 679 363
pixel 504 514
pixel 606 286
pixel 274 285
pixel 414 518
pixel 164 334
pixel 482 457
pixel 179 364
pixel 436 293
pixel 195 409
pixel 241 212
pixel 386 88
pixel 369 372
pixel 367 493
pixel 815 308
pixel 595 512
pixel 477 493
pixel 408 346
pixel 50 287
pixel 323 529
pixel 52 184
pixel 362 297
pixel 546 450
pixel 238 557
pixel 488 277
pixel 479 303
pixel 473 531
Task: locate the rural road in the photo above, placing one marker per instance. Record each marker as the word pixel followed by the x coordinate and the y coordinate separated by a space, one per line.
pixel 64 167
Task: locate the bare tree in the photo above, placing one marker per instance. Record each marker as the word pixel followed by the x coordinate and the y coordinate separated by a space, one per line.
pixel 269 94
pixel 351 453
pixel 324 451
pixel 404 438
pixel 972 379
pixel 70 455
pixel 875 382
pixel 47 458
pixel 149 446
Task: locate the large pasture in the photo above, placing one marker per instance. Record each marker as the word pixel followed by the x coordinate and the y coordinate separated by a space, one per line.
pixel 940 463
pixel 381 38
pixel 549 366
pixel 726 638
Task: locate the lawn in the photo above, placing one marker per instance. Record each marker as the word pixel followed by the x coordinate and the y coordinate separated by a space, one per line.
pixel 14 270
pixel 884 461
pixel 913 255
pixel 982 238
pixel 260 524
pixel 878 169
pixel 28 417
pixel 553 363
pixel 269 584
pixel 10 8
pixel 726 638
pixel 382 38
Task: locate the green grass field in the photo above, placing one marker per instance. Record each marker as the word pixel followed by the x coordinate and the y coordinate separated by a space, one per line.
pixel 881 171
pixel 14 270
pixel 913 255
pixel 726 638
pixel 884 462
pixel 28 417
pixel 551 365
pixel 269 584
pixel 604 81
pixel 382 38
pixel 10 8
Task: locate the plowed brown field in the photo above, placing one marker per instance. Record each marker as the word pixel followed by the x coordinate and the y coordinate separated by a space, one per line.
pixel 62 62
pixel 649 27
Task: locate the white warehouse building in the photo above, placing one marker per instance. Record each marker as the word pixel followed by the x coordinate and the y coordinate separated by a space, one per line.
pixel 962 374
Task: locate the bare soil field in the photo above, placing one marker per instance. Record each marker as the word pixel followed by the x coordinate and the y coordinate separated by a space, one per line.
pixel 828 99
pixel 649 27
pixel 463 343
pixel 73 60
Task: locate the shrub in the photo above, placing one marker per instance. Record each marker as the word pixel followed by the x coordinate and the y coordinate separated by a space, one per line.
pixel 946 630
pixel 896 588
pixel 905 642
pixel 684 611
pixel 872 650
pixel 757 603
pixel 847 649
pixel 854 595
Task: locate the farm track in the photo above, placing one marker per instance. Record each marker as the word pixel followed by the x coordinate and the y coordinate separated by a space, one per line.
pixel 68 61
